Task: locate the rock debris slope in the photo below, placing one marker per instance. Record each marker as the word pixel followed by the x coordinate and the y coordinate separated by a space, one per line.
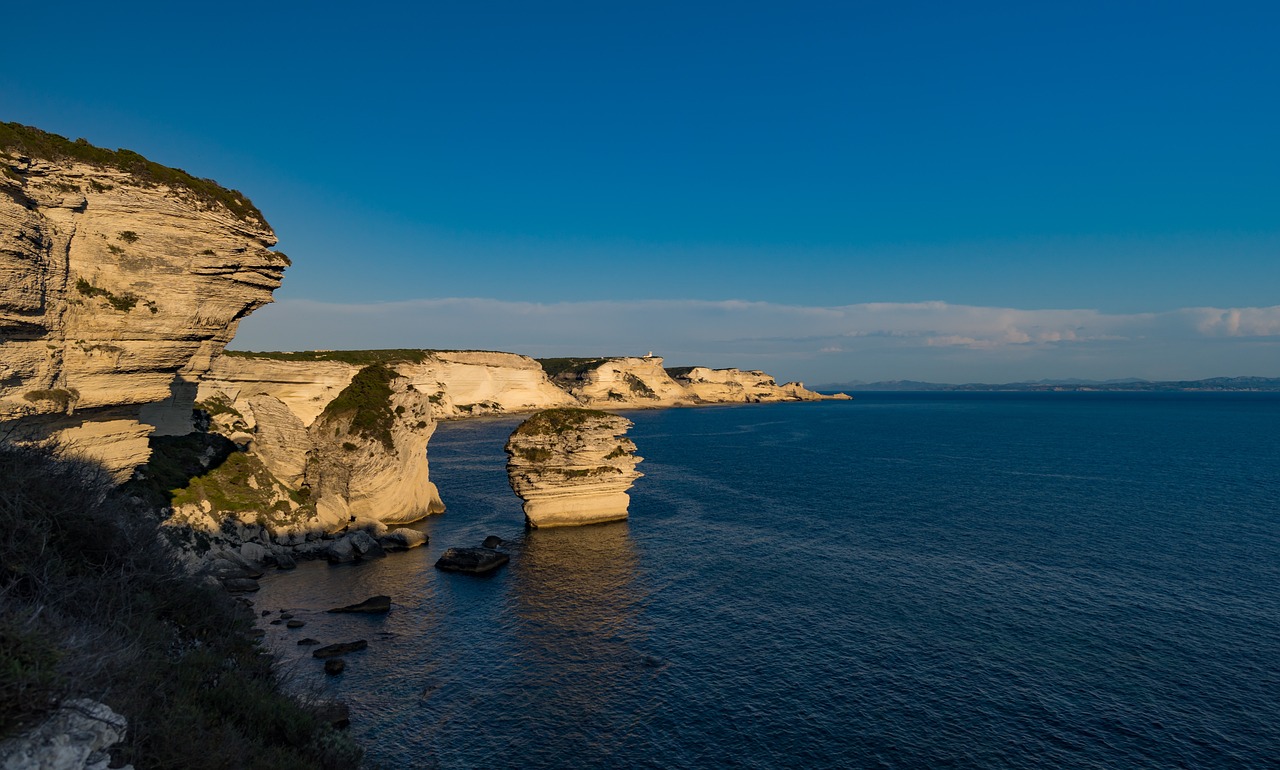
pixel 572 466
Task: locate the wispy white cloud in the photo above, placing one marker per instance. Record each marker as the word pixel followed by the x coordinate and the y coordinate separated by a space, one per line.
pixel 920 339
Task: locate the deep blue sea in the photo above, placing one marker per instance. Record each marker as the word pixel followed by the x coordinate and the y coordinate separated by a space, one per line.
pixel 899 581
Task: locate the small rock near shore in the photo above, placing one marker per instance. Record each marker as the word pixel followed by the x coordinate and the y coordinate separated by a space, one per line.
pixel 294 624
pixel 473 560
pixel 403 539
pixel 372 605
pixel 341 648
pixel 493 541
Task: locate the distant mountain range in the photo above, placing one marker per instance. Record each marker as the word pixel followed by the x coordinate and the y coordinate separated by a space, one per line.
pixel 1268 384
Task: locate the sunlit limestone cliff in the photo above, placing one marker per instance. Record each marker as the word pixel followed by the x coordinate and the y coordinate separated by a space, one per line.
pixel 572 467
pixel 120 281
pixel 643 382
pixel 457 383
pixel 360 457
pixel 721 386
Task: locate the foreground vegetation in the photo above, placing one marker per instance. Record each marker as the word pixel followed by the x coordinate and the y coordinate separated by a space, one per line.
pixel 92 604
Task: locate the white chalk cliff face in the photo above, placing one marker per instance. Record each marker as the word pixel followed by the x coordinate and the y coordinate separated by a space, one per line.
pixel 724 386
pixel 457 383
pixel 572 467
pixel 639 382
pixel 614 382
pixel 118 287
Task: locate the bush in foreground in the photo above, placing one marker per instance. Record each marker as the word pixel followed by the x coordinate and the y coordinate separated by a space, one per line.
pixel 92 604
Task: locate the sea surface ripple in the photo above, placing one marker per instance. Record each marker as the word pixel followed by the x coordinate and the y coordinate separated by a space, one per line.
pixel 900 581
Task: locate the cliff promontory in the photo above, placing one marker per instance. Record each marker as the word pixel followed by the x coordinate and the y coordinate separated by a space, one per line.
pixel 572 466
pixel 642 381
pixel 120 281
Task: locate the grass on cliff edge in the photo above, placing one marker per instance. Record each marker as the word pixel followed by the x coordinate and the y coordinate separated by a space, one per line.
pixel 367 403
pixel 556 421
pixel 35 143
pixel 355 357
pixel 570 366
pixel 92 604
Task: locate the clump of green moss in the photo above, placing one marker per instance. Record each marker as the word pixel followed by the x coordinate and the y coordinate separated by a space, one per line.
pixel 638 386
pixel 42 144
pixel 366 402
pixel 556 421
pixel 580 473
pixel 122 302
pixel 535 454
pixel 63 397
pixel 569 366
pixel 240 483
pixel 218 404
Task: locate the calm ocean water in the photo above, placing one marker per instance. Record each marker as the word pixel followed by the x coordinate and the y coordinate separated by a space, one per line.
pixel 900 581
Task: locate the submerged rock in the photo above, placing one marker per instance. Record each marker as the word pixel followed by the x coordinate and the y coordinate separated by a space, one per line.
pixel 474 560
pixel 572 466
pixel 334 666
pixel 372 605
pixel 308 642
pixel 294 623
pixel 341 648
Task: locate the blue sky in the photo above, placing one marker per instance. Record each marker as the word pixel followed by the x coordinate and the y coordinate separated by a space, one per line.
pixel 585 174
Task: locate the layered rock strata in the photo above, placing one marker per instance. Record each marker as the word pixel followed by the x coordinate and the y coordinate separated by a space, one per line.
pixel 120 281
pixel 457 383
pixel 724 386
pixel 463 384
pixel 572 467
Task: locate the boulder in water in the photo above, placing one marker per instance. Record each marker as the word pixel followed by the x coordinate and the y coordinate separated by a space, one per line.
pixel 334 666
pixel 473 560
pixel 403 539
pixel 493 541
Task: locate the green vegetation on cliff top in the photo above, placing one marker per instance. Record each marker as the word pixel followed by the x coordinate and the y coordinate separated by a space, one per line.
pixel 570 366
pixel 15 137
pixel 555 421
pixel 356 357
pixel 367 403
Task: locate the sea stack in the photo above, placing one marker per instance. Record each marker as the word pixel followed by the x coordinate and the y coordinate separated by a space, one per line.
pixel 572 467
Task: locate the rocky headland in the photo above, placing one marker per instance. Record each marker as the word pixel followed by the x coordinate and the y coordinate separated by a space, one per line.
pixel 120 281
pixel 572 467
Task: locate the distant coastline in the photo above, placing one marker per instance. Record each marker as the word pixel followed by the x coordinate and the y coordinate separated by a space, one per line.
pixel 1213 384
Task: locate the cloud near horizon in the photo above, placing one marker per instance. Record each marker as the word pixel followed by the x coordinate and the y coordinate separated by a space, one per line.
pixel 912 340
